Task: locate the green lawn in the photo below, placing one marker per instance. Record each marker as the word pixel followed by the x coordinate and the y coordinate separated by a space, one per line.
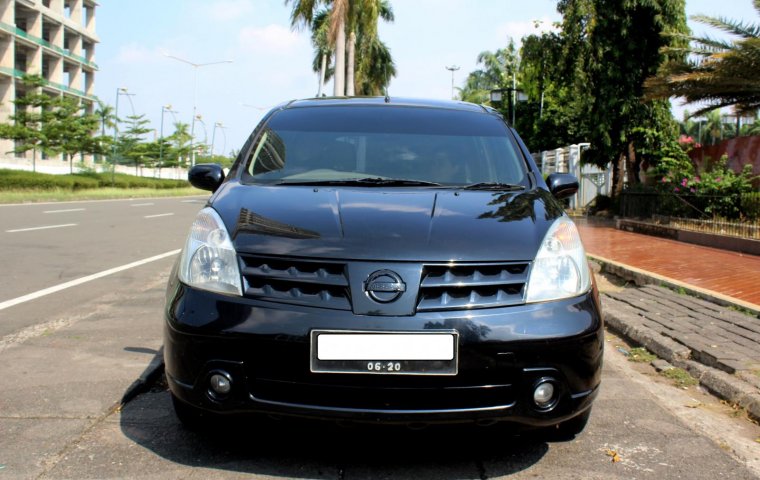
pixel 18 186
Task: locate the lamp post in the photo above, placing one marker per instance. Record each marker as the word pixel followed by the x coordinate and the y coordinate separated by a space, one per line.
pixel 195 66
pixel 219 125
pixel 164 108
pixel 452 69
pixel 515 95
pixel 119 92
pixel 199 118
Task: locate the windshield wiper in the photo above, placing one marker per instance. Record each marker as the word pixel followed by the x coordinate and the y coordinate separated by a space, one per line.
pixel 369 181
pixel 494 186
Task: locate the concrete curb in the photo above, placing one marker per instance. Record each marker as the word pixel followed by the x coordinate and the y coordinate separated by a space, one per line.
pixel 722 384
pixel 642 277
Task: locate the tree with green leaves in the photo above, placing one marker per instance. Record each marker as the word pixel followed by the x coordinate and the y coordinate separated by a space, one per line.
pixel 131 147
pixel 626 45
pixel 498 69
pixel 716 73
pixel 27 123
pixel 350 27
pixel 70 130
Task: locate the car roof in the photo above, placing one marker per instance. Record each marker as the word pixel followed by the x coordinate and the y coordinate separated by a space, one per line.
pixel 390 101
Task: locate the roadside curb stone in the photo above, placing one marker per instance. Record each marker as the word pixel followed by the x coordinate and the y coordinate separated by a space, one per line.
pixel 646 317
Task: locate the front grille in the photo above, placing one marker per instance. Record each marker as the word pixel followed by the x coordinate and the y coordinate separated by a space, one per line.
pixel 300 282
pixel 468 286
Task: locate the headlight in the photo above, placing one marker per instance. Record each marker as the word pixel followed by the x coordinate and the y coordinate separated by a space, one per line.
pixel 560 269
pixel 209 261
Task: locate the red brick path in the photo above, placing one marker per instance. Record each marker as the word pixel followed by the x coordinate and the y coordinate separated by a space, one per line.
pixel 729 273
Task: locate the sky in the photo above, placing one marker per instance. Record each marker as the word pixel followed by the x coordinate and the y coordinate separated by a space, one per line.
pixel 271 62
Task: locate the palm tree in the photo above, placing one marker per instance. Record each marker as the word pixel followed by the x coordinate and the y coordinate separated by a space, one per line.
pixel 107 118
pixel 322 52
pixel 498 70
pixel 719 73
pixel 357 17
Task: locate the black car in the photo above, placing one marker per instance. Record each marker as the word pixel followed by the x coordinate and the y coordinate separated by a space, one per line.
pixel 384 260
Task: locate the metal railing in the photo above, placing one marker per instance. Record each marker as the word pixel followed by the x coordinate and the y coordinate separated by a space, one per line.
pixel 44 43
pixel 733 215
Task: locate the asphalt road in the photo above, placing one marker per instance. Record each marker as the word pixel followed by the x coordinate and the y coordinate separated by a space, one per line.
pixel 67 357
pixel 47 245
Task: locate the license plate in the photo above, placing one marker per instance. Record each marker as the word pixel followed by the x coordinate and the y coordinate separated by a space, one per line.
pixel 397 353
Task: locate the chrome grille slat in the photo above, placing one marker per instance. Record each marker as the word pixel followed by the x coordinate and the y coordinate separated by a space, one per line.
pixel 463 286
pixel 301 282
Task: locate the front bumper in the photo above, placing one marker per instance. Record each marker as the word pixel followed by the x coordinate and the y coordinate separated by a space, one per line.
pixel 265 349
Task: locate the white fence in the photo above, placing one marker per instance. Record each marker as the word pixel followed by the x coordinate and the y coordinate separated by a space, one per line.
pixel 592 180
pixel 59 167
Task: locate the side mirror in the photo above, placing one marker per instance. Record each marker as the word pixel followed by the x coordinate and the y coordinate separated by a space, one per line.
pixel 562 185
pixel 206 176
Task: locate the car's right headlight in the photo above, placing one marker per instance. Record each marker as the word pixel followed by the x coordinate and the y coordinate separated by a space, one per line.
pixel 209 261
pixel 560 269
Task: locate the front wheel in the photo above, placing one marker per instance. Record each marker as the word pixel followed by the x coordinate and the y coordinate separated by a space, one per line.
pixel 192 418
pixel 569 429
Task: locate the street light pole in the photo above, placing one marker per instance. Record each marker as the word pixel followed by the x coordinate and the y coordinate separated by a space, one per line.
pixel 213 135
pixel 164 108
pixel 195 66
pixel 452 69
pixel 119 92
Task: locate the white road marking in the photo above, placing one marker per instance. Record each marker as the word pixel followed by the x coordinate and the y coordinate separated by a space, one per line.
pixel 65 210
pixel 159 215
pixel 111 200
pixel 142 204
pixel 41 228
pixel 193 201
pixel 80 281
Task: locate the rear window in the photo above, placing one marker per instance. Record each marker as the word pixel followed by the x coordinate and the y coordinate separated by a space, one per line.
pixel 449 147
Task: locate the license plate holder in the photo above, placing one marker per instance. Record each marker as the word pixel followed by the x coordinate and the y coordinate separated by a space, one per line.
pixel 385 353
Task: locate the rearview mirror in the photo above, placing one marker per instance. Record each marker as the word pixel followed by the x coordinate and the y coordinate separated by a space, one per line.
pixel 562 185
pixel 206 176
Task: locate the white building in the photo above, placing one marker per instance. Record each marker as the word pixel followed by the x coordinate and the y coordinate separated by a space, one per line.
pixel 52 38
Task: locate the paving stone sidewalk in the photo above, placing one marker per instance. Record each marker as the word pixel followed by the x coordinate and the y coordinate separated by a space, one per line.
pixel 717 345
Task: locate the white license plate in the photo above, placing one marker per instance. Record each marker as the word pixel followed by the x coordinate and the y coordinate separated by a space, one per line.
pixel 433 353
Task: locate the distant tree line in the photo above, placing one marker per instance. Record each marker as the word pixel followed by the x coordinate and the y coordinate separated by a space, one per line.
pixel 49 126
pixel 605 74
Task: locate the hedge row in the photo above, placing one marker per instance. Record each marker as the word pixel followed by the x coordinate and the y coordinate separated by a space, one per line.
pixel 23 180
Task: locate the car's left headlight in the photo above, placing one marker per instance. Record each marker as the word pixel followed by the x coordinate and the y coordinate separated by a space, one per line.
pixel 560 269
pixel 209 261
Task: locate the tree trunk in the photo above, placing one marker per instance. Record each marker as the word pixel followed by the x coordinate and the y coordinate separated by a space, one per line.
pixel 618 175
pixel 339 85
pixel 633 166
pixel 351 46
pixel 322 70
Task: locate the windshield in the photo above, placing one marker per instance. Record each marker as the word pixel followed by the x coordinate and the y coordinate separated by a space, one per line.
pixel 359 143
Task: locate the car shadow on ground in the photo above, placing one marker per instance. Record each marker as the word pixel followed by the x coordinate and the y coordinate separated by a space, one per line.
pixel 300 448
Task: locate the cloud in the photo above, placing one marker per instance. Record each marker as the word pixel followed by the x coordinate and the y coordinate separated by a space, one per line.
pixel 271 39
pixel 226 10
pixel 517 30
pixel 137 54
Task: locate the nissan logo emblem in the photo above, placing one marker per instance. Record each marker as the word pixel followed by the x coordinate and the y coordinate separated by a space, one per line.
pixel 384 286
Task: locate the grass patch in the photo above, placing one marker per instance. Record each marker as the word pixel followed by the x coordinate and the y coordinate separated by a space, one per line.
pixel 641 354
pixel 64 195
pixel 680 377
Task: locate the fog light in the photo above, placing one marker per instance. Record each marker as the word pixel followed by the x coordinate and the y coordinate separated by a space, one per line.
pixel 220 384
pixel 543 395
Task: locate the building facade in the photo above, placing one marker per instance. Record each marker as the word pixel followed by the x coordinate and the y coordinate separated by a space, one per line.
pixel 52 38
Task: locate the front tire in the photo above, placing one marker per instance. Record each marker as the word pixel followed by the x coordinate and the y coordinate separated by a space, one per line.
pixel 569 429
pixel 192 418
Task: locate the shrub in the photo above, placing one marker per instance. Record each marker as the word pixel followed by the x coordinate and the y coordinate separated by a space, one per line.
pixel 23 180
pixel 719 187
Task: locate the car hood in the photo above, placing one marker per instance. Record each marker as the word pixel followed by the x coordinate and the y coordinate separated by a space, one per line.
pixel 398 224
